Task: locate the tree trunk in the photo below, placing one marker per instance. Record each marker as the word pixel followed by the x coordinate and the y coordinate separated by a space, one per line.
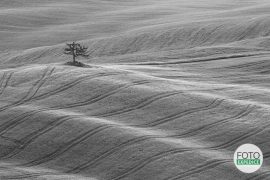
pixel 74 59
pixel 73 52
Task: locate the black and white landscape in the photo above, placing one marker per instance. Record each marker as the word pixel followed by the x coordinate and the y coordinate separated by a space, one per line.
pixel 168 90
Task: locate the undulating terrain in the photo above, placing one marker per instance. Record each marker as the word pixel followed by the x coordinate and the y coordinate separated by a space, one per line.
pixel 172 89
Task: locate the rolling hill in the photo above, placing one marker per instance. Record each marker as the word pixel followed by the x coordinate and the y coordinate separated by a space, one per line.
pixel 171 90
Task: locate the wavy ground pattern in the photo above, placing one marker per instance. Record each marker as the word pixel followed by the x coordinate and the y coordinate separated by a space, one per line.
pixel 171 89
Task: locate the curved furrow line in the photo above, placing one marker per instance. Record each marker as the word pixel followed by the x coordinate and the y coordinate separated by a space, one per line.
pixel 17 120
pixel 198 169
pixel 142 103
pixel 246 65
pixel 24 142
pixel 147 161
pixel 111 151
pixel 145 138
pixel 260 176
pixel 266 155
pixel 236 140
pixel 92 162
pixel 53 92
pixel 37 56
pixel 6 82
pixel 6 126
pixel 91 100
pixel 3 78
pixel 198 130
pixel 71 84
pixel 2 81
pixel 67 147
pixel 28 175
pixel 35 85
pixel 11 124
pixel 107 153
pixel 160 121
pixel 22 118
pixel 101 96
pixel 14 141
pixel 32 91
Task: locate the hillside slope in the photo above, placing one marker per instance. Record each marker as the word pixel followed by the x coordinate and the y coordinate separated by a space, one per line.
pixel 172 89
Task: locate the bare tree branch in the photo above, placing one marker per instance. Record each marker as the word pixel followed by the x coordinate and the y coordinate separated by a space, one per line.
pixel 76 49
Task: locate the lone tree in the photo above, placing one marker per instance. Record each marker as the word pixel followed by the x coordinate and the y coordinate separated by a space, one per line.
pixel 75 49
